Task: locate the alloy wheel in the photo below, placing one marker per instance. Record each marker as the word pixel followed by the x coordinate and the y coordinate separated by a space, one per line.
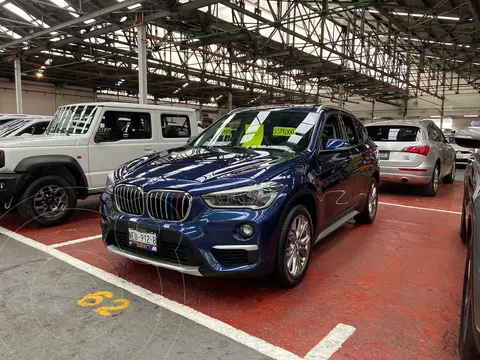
pixel 50 201
pixel 435 179
pixel 298 245
pixel 372 201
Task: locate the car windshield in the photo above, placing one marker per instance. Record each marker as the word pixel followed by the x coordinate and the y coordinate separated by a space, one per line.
pixel 11 126
pixel 72 119
pixel 394 133
pixel 284 130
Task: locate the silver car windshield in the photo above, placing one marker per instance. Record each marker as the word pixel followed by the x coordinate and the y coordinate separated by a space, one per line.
pixel 72 119
pixel 11 126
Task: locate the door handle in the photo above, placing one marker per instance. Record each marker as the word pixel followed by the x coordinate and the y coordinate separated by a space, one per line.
pixel 148 148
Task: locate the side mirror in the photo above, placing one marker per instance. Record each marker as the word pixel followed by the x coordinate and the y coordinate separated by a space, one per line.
pixel 468 139
pixel 334 144
pixel 103 134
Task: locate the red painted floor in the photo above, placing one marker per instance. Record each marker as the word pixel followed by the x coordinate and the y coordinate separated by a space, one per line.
pixel 397 281
pixel 449 196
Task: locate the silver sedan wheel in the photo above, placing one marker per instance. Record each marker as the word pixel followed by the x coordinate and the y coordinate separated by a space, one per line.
pixel 298 245
pixel 372 201
pixel 435 179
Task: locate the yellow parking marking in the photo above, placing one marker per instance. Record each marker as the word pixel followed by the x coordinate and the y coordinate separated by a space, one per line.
pixel 97 298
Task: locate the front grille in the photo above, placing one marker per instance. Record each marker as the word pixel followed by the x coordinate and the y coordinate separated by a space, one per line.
pixel 230 257
pixel 168 205
pixel 129 199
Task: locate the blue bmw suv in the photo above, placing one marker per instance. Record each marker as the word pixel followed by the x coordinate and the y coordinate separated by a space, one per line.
pixel 250 196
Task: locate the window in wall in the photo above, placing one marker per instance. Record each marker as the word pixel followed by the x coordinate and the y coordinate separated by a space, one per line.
pixel 175 126
pixel 127 125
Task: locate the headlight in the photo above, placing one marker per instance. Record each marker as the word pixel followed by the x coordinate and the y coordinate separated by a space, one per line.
pixel 253 197
pixel 110 182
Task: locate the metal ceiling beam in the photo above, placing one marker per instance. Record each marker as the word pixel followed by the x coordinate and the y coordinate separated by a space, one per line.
pixel 183 8
pixel 72 22
pixel 475 10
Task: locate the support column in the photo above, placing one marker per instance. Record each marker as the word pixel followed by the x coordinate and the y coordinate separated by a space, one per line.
pixel 230 106
pixel 142 65
pixel 18 85
pixel 340 95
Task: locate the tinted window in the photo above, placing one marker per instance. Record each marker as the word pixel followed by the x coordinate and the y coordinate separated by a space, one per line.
pixel 175 126
pixel 432 133
pixel 394 133
pixel 350 130
pixel 127 125
pixel 361 131
pixel 283 130
pixel 331 130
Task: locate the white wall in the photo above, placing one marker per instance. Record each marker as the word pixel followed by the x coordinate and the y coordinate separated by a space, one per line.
pixel 40 98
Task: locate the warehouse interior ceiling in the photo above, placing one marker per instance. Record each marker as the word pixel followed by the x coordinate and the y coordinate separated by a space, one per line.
pixel 259 51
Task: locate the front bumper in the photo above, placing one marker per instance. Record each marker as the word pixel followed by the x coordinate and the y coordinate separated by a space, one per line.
pixel 207 245
pixel 10 185
pixel 414 176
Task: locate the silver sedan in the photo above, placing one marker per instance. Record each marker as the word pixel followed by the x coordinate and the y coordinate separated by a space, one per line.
pixel 413 152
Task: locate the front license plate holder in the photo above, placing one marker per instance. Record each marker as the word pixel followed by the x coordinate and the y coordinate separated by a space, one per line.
pixel 384 155
pixel 143 239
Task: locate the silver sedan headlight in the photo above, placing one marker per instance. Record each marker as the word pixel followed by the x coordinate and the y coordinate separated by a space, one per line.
pixel 255 197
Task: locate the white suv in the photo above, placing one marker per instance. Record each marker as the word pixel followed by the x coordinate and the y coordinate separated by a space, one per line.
pixel 44 176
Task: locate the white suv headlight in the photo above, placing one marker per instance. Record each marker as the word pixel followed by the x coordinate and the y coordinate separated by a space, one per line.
pixel 110 182
pixel 253 197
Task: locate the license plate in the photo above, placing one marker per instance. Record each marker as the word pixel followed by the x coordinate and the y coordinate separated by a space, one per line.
pixel 142 239
pixel 384 155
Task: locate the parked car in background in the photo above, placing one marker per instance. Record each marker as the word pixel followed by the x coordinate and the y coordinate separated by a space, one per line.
pixel 250 196
pixel 25 126
pixel 413 152
pixel 10 117
pixel 462 154
pixel 43 176
pixel 469 335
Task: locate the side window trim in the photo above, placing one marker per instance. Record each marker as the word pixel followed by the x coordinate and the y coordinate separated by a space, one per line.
pixel 187 121
pixel 145 116
pixel 345 129
pixel 340 127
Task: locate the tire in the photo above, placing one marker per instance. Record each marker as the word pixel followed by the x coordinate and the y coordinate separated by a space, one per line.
pixel 450 178
pixel 370 211
pixel 431 188
pixel 463 228
pixel 53 189
pixel 466 342
pixel 282 274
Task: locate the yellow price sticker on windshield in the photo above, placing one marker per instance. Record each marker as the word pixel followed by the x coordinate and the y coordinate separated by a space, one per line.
pixel 253 135
pixel 227 131
pixel 283 131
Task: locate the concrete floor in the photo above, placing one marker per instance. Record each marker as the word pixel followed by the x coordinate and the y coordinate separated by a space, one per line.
pixel 398 282
pixel 40 318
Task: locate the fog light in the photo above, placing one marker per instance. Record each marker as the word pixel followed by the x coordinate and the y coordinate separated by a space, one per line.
pixel 246 230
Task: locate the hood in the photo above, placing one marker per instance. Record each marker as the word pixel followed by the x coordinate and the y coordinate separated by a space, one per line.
pixel 38 140
pixel 203 169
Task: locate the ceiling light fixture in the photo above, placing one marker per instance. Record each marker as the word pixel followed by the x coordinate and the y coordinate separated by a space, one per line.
pixel 469 116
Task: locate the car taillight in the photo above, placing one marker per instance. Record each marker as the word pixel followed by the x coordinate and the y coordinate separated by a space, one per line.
pixel 422 150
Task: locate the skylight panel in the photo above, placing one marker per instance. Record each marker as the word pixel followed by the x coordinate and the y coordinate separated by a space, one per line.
pixel 10 33
pixel 24 15
pixel 89 21
pixel 60 3
pixel 134 6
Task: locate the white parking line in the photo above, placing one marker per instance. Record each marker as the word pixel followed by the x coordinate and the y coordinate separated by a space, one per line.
pixel 77 241
pixel 324 350
pixel 420 208
pixel 331 343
